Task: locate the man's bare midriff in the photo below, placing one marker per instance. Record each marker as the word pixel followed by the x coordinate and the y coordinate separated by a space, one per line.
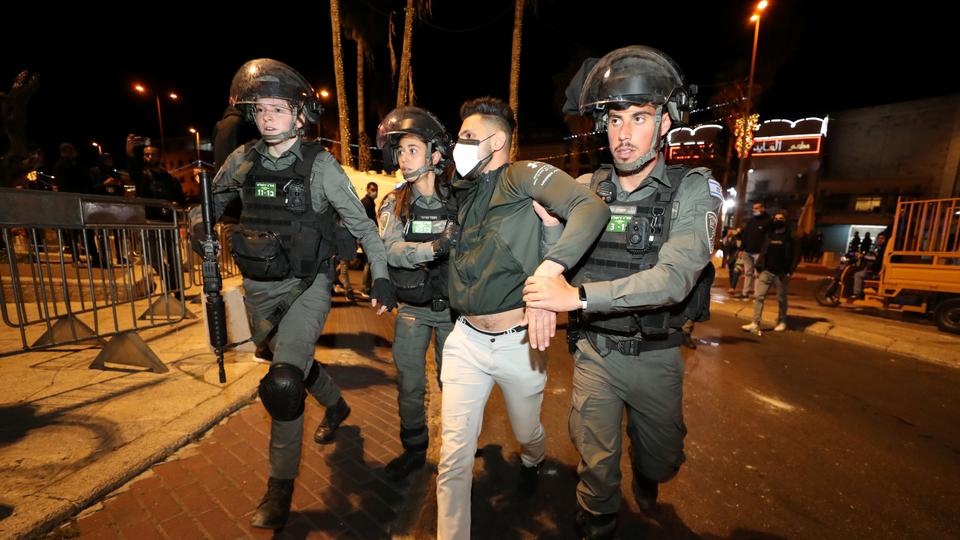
pixel 497 322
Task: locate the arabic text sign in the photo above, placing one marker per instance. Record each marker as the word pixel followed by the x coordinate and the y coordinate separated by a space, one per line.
pixel 781 146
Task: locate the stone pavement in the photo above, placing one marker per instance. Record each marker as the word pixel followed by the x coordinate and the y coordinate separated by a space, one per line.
pixel 71 436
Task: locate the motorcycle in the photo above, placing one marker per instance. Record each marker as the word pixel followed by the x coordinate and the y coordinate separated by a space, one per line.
pixel 840 285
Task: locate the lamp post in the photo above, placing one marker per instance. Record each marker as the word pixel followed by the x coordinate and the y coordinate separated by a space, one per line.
pixel 141 89
pixel 324 94
pixel 742 167
pixel 197 135
pixel 99 148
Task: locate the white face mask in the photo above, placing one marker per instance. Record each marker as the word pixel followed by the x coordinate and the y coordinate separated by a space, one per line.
pixel 466 156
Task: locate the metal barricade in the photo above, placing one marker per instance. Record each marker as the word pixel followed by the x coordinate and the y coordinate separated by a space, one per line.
pixel 78 267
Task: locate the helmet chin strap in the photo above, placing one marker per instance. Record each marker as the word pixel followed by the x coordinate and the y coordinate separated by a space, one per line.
pixel 413 176
pixel 280 137
pixel 637 165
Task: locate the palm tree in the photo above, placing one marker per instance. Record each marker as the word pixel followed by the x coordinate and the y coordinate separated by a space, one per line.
pixel 346 158
pixel 403 86
pixel 415 8
pixel 363 141
pixel 362 24
pixel 515 74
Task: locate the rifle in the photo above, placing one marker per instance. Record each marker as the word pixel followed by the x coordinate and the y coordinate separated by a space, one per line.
pixel 212 283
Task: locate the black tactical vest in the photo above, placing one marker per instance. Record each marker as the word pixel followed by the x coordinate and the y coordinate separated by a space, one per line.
pixel 420 286
pixel 277 206
pixel 631 243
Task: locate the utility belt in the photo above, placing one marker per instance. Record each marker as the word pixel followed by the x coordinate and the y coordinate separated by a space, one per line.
pixel 436 304
pixel 629 344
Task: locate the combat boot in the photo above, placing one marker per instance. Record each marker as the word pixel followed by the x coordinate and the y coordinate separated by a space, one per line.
pixel 275 506
pixel 332 419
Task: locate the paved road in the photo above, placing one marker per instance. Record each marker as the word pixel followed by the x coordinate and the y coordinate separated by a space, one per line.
pixel 790 436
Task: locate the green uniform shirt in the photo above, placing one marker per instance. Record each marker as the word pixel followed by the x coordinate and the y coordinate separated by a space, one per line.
pixel 682 257
pixel 329 186
pixel 499 245
pixel 403 254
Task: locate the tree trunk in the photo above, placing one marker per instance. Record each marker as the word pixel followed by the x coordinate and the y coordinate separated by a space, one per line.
pixel 403 83
pixel 515 75
pixel 363 149
pixel 346 158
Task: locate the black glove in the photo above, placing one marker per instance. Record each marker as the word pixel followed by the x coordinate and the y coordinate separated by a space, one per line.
pixel 197 236
pixel 446 240
pixel 384 293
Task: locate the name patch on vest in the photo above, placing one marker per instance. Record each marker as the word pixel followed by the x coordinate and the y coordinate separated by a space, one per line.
pixel 423 226
pixel 266 189
pixel 620 217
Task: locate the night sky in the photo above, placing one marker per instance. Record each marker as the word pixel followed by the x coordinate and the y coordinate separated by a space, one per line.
pixel 814 57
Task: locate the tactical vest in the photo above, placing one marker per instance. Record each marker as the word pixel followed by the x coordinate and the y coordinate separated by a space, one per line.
pixel 281 235
pixel 421 285
pixel 631 243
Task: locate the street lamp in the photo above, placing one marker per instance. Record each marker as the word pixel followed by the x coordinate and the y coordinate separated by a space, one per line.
pixel 141 89
pixel 197 134
pixel 324 94
pixel 99 148
pixel 741 172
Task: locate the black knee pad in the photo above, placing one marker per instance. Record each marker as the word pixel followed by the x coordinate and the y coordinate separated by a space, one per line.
pixel 283 392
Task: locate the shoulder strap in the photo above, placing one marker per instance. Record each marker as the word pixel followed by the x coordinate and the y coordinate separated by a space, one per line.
pixel 310 151
pixel 603 173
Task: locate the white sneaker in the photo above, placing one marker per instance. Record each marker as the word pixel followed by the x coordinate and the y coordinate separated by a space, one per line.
pixel 752 327
pixel 780 327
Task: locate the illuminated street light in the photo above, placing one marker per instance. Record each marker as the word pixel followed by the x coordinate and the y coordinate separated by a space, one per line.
pixel 141 89
pixel 197 134
pixel 741 173
pixel 99 148
pixel 324 94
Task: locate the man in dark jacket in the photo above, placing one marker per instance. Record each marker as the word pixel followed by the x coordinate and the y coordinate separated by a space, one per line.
pixel 776 262
pixel 369 202
pixel 154 182
pixel 753 234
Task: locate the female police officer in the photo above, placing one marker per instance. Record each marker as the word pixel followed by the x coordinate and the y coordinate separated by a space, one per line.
pixel 418 223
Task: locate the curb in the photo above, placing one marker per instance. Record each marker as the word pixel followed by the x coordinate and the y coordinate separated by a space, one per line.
pixel 126 463
pixel 943 356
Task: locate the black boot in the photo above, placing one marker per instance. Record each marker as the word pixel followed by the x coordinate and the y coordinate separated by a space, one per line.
pixel 275 506
pixel 595 526
pixel 332 419
pixel 529 478
pixel 405 463
pixel 645 491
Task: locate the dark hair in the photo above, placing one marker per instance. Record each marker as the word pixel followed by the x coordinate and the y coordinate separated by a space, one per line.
pixel 374 184
pixel 492 109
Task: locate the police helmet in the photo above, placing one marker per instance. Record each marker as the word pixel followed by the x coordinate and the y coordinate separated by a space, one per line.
pixel 637 75
pixel 266 78
pixel 411 121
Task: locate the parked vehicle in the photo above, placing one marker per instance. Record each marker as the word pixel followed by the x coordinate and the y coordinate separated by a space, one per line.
pixel 921 266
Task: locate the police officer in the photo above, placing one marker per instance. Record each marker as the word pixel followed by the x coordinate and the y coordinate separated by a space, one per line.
pixel 635 286
pixel 418 223
pixel 290 189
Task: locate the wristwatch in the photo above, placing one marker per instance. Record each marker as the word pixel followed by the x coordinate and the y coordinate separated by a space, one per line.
pixel 583 298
